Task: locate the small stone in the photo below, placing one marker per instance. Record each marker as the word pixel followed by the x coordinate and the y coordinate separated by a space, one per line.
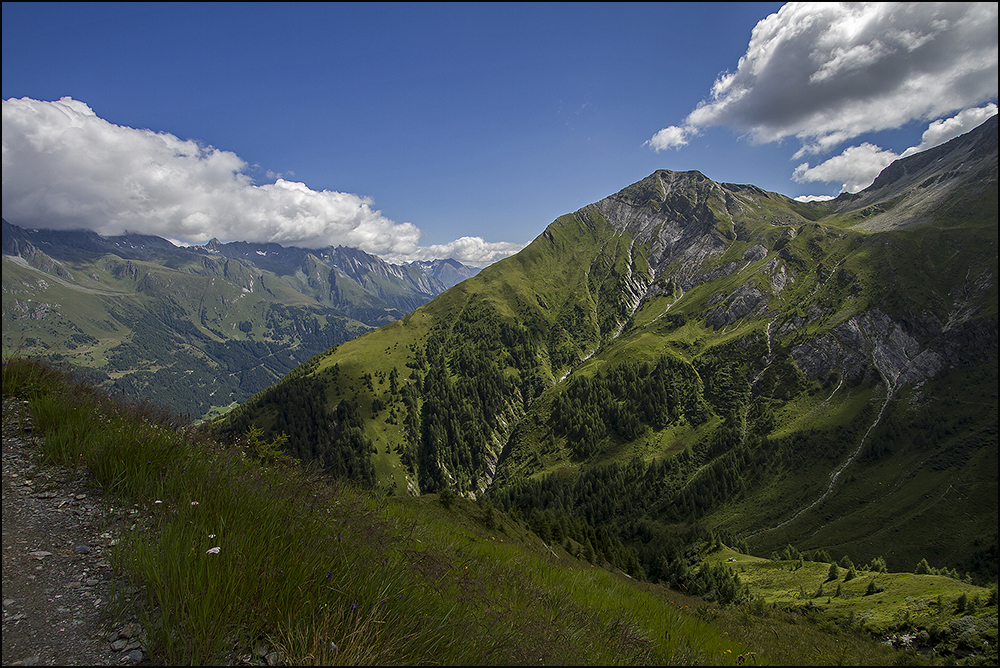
pixel 82 549
pixel 40 554
pixel 135 656
pixel 119 645
pixel 92 583
pixel 128 631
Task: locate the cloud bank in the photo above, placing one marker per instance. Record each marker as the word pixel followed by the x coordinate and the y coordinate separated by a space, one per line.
pixel 827 73
pixel 66 168
pixel 858 166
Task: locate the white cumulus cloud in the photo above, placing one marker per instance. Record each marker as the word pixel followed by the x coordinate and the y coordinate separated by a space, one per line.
pixel 826 73
pixel 671 137
pixel 65 168
pixel 814 198
pixel 946 129
pixel 473 251
pixel 858 166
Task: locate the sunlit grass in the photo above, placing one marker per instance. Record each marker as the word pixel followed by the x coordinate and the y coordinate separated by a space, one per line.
pixel 227 557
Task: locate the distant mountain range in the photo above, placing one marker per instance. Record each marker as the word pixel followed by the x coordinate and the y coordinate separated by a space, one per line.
pixel 688 356
pixel 197 327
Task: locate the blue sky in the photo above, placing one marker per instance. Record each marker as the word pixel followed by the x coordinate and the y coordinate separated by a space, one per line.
pixel 433 130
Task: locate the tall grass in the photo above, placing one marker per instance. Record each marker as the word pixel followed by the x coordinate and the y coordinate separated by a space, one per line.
pixel 225 555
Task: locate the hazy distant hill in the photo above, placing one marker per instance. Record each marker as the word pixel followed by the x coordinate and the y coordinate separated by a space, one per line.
pixel 449 272
pixel 686 354
pixel 196 327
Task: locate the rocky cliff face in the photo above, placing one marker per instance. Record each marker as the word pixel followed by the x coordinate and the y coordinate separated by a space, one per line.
pixel 692 231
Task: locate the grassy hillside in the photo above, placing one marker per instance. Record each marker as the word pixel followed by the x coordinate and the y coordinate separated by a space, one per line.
pixel 698 358
pixel 322 572
pixel 498 349
pixel 192 338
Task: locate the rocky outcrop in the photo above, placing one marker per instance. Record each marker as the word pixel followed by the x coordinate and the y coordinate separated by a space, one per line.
pixel 866 347
pixel 671 211
pixel 747 300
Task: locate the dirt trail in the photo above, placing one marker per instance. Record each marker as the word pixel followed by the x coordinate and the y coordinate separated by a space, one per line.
pixel 57 579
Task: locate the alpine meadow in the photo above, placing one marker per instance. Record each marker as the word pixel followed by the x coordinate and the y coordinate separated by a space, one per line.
pixel 687 360
pixel 704 394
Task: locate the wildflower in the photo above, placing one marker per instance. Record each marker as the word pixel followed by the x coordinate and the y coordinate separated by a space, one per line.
pixel 211 535
pixel 354 606
pixel 157 501
pixel 329 575
pixel 213 550
pixel 333 646
pixel 194 503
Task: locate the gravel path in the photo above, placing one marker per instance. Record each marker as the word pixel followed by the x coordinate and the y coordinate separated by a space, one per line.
pixel 57 579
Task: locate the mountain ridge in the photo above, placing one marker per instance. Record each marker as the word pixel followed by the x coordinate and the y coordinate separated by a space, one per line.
pixel 238 316
pixel 681 315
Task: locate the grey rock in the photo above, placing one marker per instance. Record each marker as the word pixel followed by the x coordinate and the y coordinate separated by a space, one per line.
pixel 746 299
pixel 867 346
pixel 755 253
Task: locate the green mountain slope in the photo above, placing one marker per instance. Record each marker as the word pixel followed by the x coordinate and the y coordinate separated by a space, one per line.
pixel 687 356
pixel 193 329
